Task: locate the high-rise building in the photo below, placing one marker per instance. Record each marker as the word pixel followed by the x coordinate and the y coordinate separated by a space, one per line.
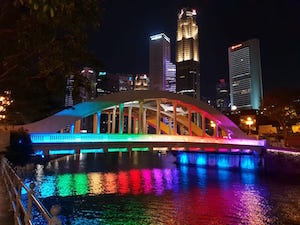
pixel 69 91
pixel 170 77
pixel 89 91
pixel 187 54
pixel 113 82
pixel 245 79
pixel 222 95
pixel 160 67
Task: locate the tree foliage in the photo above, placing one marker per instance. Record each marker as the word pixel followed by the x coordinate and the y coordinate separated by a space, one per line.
pixel 282 106
pixel 42 42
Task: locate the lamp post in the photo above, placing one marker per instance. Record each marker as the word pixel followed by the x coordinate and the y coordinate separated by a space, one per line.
pixel 249 122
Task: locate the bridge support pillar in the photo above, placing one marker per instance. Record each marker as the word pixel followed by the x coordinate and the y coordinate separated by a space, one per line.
pixel 129 119
pixel 203 126
pixel 114 121
pixel 190 123
pixel 140 124
pixel 77 126
pixel 145 128
pixel 96 122
pixel 175 117
pixel 135 126
pixel 108 123
pixel 121 118
pixel 157 116
pixel 170 125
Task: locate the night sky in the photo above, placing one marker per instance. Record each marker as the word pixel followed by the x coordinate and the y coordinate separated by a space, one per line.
pixel 122 43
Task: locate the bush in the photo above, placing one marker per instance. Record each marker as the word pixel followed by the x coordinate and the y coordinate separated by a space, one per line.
pixel 20 149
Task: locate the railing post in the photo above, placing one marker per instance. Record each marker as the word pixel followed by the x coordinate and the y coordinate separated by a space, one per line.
pixel 28 216
pixel 18 198
pixel 55 210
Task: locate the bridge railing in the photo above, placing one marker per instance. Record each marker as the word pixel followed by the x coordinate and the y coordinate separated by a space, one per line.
pixel 22 211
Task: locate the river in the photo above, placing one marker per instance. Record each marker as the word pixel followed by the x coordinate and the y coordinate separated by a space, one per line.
pixel 148 188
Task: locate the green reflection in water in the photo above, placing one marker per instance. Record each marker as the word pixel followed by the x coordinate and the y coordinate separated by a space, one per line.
pixel 125 212
pixel 64 185
pixel 81 184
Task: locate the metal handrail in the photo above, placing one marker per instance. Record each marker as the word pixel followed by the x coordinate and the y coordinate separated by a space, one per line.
pixel 14 185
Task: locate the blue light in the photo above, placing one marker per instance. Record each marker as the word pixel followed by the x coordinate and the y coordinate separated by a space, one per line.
pixel 223 161
pixel 92 150
pixel 39 153
pixel 72 129
pixel 247 162
pixel 183 158
pixel 61 151
pixel 201 159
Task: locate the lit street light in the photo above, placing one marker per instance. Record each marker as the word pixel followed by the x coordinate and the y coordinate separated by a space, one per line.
pixel 249 122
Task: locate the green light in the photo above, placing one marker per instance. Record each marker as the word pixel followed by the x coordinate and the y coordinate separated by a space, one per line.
pixel 140 149
pixel 117 150
pixel 81 184
pixel 91 150
pixel 64 185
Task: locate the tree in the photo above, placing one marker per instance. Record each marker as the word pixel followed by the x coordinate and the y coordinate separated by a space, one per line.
pixel 280 106
pixel 42 42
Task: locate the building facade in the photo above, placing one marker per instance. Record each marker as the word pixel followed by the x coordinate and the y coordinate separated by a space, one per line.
pixel 222 95
pixel 160 67
pixel 187 54
pixel 246 91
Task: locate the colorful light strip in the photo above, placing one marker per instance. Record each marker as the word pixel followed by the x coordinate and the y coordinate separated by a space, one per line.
pixel 92 150
pixel 41 138
pixel 61 151
pixel 117 149
pixel 140 149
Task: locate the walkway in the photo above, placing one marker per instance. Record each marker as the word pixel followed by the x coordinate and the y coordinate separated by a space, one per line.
pixel 6 215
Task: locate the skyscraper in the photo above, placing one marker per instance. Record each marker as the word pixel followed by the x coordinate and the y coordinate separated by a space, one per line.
pixel 187 54
pixel 160 65
pixel 222 95
pixel 245 79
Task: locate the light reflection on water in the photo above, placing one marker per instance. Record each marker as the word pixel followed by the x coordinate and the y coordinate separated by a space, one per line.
pixel 148 189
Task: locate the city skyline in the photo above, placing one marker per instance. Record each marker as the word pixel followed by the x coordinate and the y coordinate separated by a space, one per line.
pixel 220 25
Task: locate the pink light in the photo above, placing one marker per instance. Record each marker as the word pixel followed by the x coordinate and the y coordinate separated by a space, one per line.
pixel 235 150
pixel 146 174
pixel 223 149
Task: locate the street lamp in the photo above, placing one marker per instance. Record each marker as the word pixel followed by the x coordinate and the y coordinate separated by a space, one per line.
pixel 249 122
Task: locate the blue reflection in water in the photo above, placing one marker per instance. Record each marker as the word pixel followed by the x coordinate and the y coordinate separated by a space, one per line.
pixel 247 162
pixel 183 158
pixel 248 177
pixel 223 161
pixel 47 186
pixel 201 159
pixel 201 173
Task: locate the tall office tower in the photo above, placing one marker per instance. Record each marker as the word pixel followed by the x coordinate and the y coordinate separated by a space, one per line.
pixel 69 91
pixel 89 92
pixel 246 90
pixel 159 54
pixel 187 54
pixel 222 95
pixel 170 77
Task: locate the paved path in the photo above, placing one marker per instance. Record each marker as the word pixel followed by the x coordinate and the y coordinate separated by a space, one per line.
pixel 6 214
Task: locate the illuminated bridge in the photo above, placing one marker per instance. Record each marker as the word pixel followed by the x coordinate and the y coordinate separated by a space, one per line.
pixel 140 121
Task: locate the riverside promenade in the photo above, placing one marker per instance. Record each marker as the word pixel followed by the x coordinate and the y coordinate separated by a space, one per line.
pixel 6 215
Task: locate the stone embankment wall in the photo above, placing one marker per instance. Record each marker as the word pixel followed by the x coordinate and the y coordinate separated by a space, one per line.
pixel 281 163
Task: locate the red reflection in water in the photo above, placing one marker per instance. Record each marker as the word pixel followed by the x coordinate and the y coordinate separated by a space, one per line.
pixel 123 182
pixel 146 174
pixel 199 205
pixel 135 177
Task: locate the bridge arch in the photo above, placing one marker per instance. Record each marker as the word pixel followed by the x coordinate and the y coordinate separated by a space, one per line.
pixel 149 111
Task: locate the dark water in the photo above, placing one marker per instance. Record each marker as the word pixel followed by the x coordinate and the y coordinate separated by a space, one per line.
pixel 114 188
